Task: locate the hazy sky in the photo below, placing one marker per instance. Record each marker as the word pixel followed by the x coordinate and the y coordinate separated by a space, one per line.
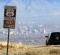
pixel 34 10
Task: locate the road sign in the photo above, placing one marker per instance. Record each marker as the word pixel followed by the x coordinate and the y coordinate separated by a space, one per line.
pixel 9 17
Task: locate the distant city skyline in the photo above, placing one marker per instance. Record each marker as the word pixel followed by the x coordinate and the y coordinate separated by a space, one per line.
pixel 42 11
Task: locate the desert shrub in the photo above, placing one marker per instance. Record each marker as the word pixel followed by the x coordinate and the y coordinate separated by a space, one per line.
pixel 55 51
pixel 27 53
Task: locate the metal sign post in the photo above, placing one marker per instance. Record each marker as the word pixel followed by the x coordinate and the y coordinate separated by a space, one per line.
pixel 8 40
pixel 9 20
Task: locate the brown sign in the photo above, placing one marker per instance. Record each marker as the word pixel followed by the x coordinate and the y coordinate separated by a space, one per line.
pixel 9 16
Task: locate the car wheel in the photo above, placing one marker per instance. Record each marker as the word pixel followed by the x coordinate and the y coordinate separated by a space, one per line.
pixel 47 43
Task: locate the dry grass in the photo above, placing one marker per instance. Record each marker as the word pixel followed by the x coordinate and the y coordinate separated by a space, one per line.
pixel 21 49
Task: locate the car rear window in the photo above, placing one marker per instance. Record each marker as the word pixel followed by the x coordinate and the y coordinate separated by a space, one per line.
pixel 55 36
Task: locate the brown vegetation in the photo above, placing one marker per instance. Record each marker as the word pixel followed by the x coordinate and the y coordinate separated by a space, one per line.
pixel 21 49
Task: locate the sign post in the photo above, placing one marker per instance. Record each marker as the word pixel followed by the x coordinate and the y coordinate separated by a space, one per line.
pixel 8 41
pixel 9 20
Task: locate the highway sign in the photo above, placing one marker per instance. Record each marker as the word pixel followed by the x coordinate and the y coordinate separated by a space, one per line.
pixel 9 17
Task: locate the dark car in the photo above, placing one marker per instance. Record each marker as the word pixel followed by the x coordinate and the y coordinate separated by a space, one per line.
pixel 54 39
